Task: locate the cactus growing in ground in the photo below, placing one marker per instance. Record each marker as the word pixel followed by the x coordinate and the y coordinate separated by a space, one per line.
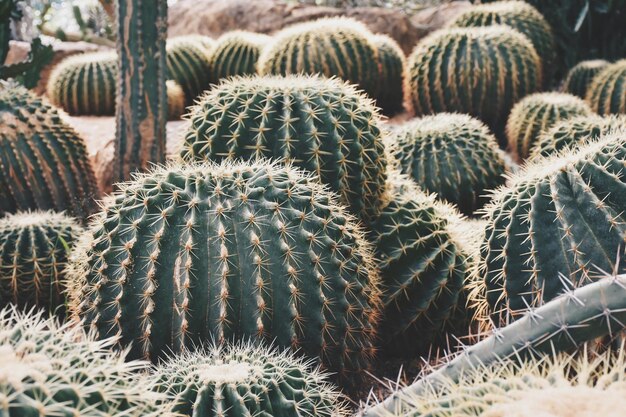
pixel 322 125
pixel 452 155
pixel 331 47
pixel 391 62
pixel 236 53
pixel 500 67
pixel 43 162
pixel 229 251
pixel 535 115
pixel 607 93
pixel 580 77
pixel 188 64
pixel 246 380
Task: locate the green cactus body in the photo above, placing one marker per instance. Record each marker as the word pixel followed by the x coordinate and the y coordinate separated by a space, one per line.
pixel 188 64
pixel 499 67
pixel 580 77
pixel 175 100
pixel 452 155
pixel 334 47
pixel 227 251
pixel 236 53
pixel 205 42
pixel 322 125
pixel 535 115
pixel 607 93
pixel 43 162
pixel 391 62
pixel 246 380
pixel 522 17
pixel 7 12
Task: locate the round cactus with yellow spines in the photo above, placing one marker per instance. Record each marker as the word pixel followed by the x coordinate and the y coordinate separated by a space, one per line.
pixel 391 63
pixel 607 93
pixel 236 53
pixel 580 76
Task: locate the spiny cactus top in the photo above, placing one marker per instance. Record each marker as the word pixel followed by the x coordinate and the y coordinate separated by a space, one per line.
pixel 227 251
pixel 338 47
pixel 51 370
pixel 452 155
pixel 188 64
pixel 43 162
pixel 322 125
pixel 391 62
pixel 607 93
pixel 498 67
pixel 247 380
pixel 580 77
pixel 236 53
pixel 535 115
pixel 205 42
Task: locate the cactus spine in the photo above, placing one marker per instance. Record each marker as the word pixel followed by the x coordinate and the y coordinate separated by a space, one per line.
pixel 391 62
pixel 236 53
pixel 607 93
pixel 580 77
pixel 188 64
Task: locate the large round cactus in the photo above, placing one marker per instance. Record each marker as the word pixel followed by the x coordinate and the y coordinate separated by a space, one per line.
pixel 500 67
pixel 324 126
pixel 391 62
pixel 607 93
pixel 236 53
pixel 246 380
pixel 535 115
pixel 190 253
pixel 43 162
pixel 338 47
pixel 580 77
pixel 452 155
pixel 188 64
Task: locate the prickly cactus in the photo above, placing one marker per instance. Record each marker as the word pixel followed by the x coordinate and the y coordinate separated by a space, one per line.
pixel 236 53
pixel 205 42
pixel 188 64
pixel 580 77
pixel 175 100
pixel 607 93
pixel 391 62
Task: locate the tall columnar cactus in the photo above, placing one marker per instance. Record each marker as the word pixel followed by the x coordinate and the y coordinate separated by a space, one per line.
pixel 522 17
pixel 391 62
pixel 49 369
pixel 43 162
pixel 236 53
pixel 452 155
pixel 499 68
pixel 246 380
pixel 331 47
pixel 175 100
pixel 322 125
pixel 580 77
pixel 235 250
pixel 141 97
pixel 188 64
pixel 535 115
pixel 607 93
pixel 590 312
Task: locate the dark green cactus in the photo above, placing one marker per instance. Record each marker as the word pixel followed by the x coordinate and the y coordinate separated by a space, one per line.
pixel 43 162
pixel 8 12
pixel 247 380
pixel 498 69
pixel 188 64
pixel 535 115
pixel 334 47
pixel 324 126
pixel 580 77
pixel 227 251
pixel 607 93
pixel 236 53
pixel 391 62
pixel 452 155
pixel 205 42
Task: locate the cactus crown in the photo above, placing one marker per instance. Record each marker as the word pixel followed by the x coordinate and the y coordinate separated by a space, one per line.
pixel 580 77
pixel 607 93
pixel 205 42
pixel 236 53
pixel 188 64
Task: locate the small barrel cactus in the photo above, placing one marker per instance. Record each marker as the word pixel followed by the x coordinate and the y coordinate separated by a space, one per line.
pixel 322 125
pixel 535 115
pixel 607 93
pixel 391 62
pixel 580 77
pixel 338 47
pixel 500 67
pixel 246 380
pixel 44 163
pixel 188 64
pixel 175 100
pixel 236 53
pixel 205 42
pixel 229 251
pixel 452 155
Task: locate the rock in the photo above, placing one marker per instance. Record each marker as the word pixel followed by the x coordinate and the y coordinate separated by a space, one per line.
pixel 433 18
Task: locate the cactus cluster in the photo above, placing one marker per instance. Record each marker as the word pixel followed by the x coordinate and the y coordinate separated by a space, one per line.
pixel 580 76
pixel 607 93
pixel 188 64
pixel 391 62
pixel 535 115
pixel 236 53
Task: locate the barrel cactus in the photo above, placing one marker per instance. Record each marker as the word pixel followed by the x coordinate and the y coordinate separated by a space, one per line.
pixel 580 77
pixel 43 163
pixel 452 155
pixel 236 53
pixel 246 380
pixel 391 62
pixel 188 64
pixel 331 47
pixel 535 115
pixel 205 42
pixel 607 93
pixel 500 67
pixel 322 125
pixel 229 251
pixel 175 100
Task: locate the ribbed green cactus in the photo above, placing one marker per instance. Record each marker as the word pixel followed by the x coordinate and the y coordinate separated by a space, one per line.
pixel 47 369
pixel 236 53
pixel 175 100
pixel 452 155
pixel 188 64
pixel 205 42
pixel 43 162
pixel 246 380
pixel 229 251
pixel 572 133
pixel 580 77
pixel 331 47
pixel 522 17
pixel 535 115
pixel 607 93
pixel 391 62
pixel 322 125
pixel 500 67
